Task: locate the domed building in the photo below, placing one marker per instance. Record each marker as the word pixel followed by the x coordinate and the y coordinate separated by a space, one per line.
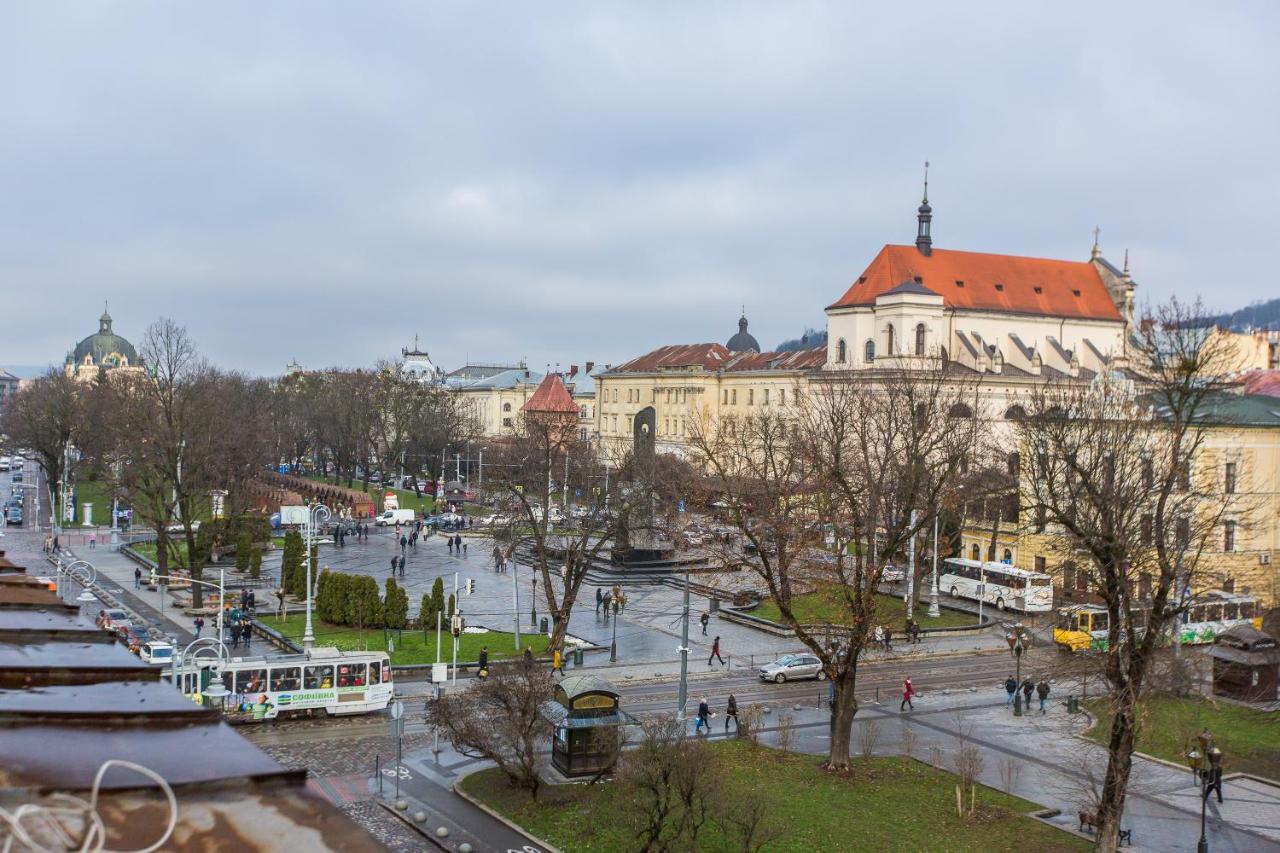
pixel 103 351
pixel 743 341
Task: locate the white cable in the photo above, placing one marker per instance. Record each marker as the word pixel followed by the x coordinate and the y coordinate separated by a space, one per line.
pixel 51 817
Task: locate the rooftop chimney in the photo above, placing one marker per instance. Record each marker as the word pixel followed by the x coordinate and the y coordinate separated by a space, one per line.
pixel 573 370
pixel 587 369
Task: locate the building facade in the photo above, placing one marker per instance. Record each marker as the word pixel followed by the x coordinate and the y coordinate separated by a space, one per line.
pixel 494 395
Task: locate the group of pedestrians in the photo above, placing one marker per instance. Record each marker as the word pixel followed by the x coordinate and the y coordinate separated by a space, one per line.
pixel 457 546
pixel 500 565
pixel 1039 688
pixel 702 722
pixel 612 601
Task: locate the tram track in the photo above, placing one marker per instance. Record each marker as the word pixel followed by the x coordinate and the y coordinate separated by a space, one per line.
pixel 951 673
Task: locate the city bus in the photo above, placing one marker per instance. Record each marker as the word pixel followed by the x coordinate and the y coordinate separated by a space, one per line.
pixel 340 683
pixel 997 584
pixel 1083 627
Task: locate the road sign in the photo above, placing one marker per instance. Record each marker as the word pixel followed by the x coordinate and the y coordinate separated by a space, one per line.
pixel 439 672
pixel 397 709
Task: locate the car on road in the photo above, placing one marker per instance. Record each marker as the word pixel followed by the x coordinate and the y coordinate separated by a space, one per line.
pixel 6 462
pixel 157 652
pixel 134 637
pixel 17 477
pixel 792 668
pixel 893 574
pixel 13 514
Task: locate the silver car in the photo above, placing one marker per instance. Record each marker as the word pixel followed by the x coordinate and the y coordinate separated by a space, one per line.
pixel 793 667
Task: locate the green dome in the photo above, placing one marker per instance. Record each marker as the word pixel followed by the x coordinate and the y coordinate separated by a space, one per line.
pixel 106 348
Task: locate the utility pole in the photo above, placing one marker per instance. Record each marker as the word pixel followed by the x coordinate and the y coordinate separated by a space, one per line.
pixel 934 611
pixel 481 483
pixel 911 568
pixel 684 656
pixel 456 613
pixel 564 496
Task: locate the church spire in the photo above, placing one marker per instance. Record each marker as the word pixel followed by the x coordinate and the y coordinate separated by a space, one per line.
pixel 924 219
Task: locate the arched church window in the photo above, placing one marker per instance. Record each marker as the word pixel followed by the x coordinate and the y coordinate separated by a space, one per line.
pixel 888 340
pixel 920 339
pixel 869 355
pixel 841 351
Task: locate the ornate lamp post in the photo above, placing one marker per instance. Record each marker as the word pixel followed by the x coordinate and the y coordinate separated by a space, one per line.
pixel 317 514
pixel 1205 760
pixel 1016 639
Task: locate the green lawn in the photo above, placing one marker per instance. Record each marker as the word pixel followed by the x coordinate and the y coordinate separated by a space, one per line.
pixel 817 607
pixel 1249 739
pixel 97 492
pixel 411 645
pixel 883 804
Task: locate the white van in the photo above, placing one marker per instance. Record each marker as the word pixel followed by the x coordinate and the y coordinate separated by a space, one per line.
pixel 156 652
pixel 396 516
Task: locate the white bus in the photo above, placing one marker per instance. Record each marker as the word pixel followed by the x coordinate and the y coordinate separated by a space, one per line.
pixel 341 683
pixel 997 584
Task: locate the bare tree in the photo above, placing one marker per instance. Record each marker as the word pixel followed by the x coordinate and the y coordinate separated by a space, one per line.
pixel 534 472
pixel 46 416
pixel 674 780
pixel 824 491
pixel 497 719
pixel 1114 476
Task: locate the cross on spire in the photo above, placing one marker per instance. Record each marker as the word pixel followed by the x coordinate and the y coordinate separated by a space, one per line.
pixel 1097 232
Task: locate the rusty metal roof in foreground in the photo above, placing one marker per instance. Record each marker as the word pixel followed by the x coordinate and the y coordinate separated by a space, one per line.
pixel 72 698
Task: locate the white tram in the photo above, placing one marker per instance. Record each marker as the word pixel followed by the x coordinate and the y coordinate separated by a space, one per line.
pixel 339 682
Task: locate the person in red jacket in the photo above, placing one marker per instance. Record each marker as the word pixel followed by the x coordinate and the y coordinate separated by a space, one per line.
pixel 908 690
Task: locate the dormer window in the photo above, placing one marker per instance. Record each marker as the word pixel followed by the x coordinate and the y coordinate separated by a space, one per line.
pixel 959 283
pixel 1000 287
pixel 1075 293
pixel 1039 289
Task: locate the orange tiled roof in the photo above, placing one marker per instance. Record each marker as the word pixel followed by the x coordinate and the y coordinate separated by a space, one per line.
pixel 991 283
pixel 1265 382
pixel 551 396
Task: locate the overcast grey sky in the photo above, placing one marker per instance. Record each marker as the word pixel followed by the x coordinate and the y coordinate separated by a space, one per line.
pixel 566 182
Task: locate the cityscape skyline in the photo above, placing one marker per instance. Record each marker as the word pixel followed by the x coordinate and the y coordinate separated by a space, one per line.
pixel 590 184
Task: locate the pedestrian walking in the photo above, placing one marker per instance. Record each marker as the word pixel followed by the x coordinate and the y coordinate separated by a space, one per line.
pixel 57 548
pixel 877 637
pixel 497 566
pixel 1042 690
pixel 1027 689
pixel 394 562
pixel 908 690
pixel 1213 776
pixel 198 622
pixel 464 548
pixel 528 656
pixel 915 631
pixel 557 662
pixel 404 543
pixel 93 540
pixel 608 605
pixel 482 667
pixel 137 578
pixel 246 631
pixel 402 567
pixel 888 638
pixel 235 635
pixel 1010 687
pixel 703 720
pixel 731 710
pixel 715 651
pixel 599 600
pixel 449 542
pixel 704 619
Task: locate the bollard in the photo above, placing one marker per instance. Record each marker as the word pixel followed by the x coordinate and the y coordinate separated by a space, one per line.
pixel 377 771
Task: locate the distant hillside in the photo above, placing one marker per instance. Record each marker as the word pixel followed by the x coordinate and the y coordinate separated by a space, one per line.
pixel 1260 315
pixel 811 338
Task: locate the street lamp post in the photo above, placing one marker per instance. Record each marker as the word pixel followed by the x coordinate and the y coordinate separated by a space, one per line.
pixel 613 647
pixel 316 514
pixel 1016 646
pixel 82 570
pixel 217 689
pixel 1207 776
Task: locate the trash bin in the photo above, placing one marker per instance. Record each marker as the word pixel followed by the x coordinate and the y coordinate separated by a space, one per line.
pixel 715 605
pixel 543 625
pixel 577 657
pixel 1073 705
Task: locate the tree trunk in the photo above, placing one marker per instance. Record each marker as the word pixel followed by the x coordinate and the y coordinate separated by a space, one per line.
pixel 846 707
pixel 1119 763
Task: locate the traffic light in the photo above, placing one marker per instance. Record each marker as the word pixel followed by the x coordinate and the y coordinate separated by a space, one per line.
pixel 456 624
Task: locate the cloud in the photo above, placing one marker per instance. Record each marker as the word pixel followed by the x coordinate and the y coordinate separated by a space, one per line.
pixel 577 181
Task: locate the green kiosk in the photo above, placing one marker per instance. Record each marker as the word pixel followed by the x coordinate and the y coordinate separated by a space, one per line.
pixel 584 709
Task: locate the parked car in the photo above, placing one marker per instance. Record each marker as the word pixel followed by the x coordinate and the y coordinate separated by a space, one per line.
pixel 17 477
pixel 134 637
pixel 893 574
pixel 112 617
pixel 5 462
pixel 792 667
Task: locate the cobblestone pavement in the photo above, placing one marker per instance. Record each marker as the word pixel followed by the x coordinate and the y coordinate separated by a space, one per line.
pixel 386 828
